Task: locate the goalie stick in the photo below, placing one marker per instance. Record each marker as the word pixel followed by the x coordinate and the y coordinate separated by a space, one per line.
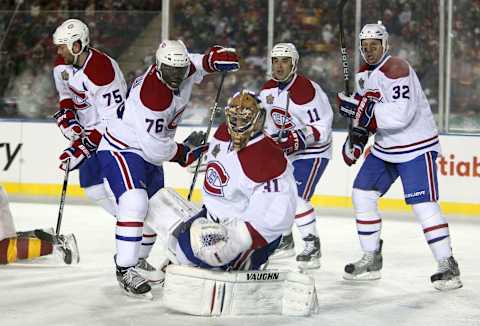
pixel 209 128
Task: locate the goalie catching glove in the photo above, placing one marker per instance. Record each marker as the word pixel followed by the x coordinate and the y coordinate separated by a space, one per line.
pixel 360 108
pixel 220 58
pixel 191 149
pixel 68 123
pixel 80 150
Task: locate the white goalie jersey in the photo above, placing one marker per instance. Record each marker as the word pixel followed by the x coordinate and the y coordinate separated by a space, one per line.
pixel 405 124
pixel 253 185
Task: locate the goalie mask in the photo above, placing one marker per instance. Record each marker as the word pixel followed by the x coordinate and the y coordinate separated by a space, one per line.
pixel 377 32
pixel 172 63
pixel 245 117
pixel 69 32
pixel 286 50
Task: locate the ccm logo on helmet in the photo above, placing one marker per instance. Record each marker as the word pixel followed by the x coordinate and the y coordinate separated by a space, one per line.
pixel 215 179
pixel 278 116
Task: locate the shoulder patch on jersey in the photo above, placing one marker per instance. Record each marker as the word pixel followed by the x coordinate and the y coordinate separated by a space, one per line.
pixel 263 160
pixel 222 133
pixel 99 69
pixel 395 68
pixel 363 67
pixel 154 94
pixel 59 61
pixel 302 90
pixel 269 84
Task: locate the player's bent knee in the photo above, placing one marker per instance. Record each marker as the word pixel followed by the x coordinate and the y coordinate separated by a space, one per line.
pixel 365 201
pixel 204 292
pixel 426 211
pixel 133 204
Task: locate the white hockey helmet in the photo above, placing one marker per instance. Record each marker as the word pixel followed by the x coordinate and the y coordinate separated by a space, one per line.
pixel 71 31
pixel 172 62
pixel 374 31
pixel 286 50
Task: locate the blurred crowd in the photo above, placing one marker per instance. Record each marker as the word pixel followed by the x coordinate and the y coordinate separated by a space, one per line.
pixel 310 24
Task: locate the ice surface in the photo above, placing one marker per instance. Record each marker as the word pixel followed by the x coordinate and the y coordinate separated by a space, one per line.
pixel 46 292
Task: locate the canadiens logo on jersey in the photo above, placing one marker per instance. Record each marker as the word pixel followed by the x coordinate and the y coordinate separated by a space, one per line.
pixel 79 98
pixel 216 178
pixel 279 119
pixel 176 118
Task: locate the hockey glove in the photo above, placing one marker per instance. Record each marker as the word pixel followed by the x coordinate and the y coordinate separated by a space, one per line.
pixel 221 59
pixel 354 145
pixel 360 109
pixel 80 149
pixel 68 123
pixel 297 140
pixel 186 155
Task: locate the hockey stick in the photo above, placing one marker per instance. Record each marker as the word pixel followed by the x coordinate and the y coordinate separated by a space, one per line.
pixel 204 141
pixel 282 129
pixel 62 198
pixel 344 55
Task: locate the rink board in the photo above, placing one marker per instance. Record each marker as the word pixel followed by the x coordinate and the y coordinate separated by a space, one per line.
pixel 29 166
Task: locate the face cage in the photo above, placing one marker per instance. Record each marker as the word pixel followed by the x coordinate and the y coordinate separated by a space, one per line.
pixel 240 125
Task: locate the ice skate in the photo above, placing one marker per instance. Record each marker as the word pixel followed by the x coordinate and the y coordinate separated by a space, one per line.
pixel 132 283
pixel 447 276
pixel 309 258
pixel 285 249
pixel 150 273
pixel 366 269
pixel 66 247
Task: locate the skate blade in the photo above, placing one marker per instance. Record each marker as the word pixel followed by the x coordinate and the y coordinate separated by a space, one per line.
pixel 368 276
pixel 447 285
pixel 281 254
pixel 142 296
pixel 312 264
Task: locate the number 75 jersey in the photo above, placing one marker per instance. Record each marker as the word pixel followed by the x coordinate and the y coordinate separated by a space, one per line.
pixel 405 124
pixel 307 105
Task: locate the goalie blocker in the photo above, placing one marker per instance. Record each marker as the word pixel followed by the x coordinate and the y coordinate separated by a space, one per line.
pixel 202 292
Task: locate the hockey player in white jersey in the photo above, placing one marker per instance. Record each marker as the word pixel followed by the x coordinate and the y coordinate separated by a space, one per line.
pixel 91 90
pixel 136 144
pixel 248 193
pixel 249 201
pixel 391 104
pixel 299 110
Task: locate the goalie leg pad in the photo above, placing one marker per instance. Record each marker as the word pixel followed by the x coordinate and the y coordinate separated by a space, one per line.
pixel 205 292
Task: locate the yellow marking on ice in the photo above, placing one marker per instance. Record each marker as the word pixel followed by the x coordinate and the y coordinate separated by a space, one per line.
pixel 388 205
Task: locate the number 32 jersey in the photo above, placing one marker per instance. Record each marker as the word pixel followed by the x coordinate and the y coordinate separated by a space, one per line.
pixel 405 124
pixel 96 90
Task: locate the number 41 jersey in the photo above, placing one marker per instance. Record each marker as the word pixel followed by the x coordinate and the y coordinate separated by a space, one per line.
pixel 405 124
pixel 254 185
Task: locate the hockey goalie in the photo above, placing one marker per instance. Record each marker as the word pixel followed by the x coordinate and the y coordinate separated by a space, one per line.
pixel 220 251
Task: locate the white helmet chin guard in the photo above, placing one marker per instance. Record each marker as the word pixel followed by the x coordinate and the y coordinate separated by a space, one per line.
pixel 71 31
pixel 286 50
pixel 172 62
pixel 377 32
